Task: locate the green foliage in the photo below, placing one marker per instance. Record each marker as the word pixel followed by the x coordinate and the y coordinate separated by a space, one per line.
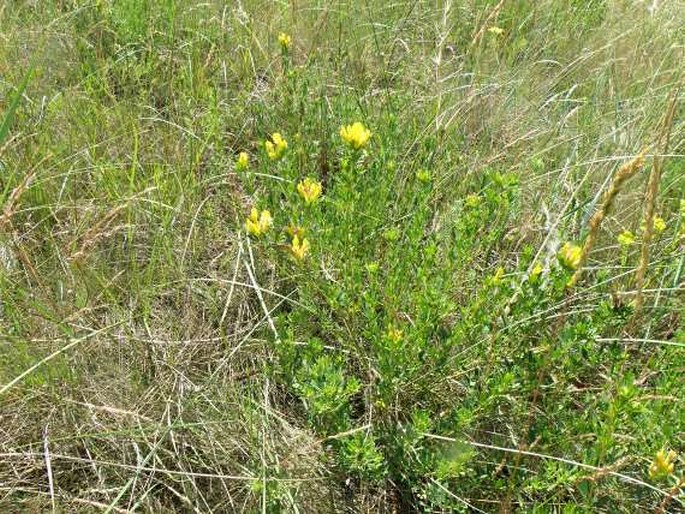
pixel 360 457
pixel 15 100
pixel 391 343
pixel 326 393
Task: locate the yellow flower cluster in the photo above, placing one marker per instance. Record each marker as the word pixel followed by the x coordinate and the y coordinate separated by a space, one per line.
pixel 496 279
pixel 285 40
pixel 626 238
pixel 356 135
pixel 569 255
pixel 394 334
pixel 663 464
pixel 258 223
pixel 535 273
pixel 276 147
pixel 243 161
pixel 658 223
pixel 472 200
pixel 309 190
pixel 299 248
pixel 423 176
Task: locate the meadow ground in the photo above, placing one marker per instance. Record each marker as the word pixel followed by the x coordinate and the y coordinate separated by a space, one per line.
pixel 468 299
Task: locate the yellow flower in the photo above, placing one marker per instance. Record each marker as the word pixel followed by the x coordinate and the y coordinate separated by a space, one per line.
pixel 355 135
pixel 276 147
pixel 496 30
pixel 659 224
pixel 309 190
pixel 298 249
pixel 394 335
pixel 258 224
pixel 663 464
pixel 391 235
pixel 243 161
pixel 284 40
pixel 423 176
pixel 372 267
pixel 569 255
pixel 535 273
pixel 626 238
pixel 473 200
pixel 496 279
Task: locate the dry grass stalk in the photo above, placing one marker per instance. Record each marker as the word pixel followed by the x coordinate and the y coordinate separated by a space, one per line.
pixel 98 232
pixel 673 493
pixel 624 173
pixel 650 200
pixel 485 24
pixel 13 200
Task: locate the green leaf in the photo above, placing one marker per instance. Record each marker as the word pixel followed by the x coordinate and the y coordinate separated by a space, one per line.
pixel 13 104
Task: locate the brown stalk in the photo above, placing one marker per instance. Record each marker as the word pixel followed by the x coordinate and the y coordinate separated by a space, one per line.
pixel 624 173
pixel 650 199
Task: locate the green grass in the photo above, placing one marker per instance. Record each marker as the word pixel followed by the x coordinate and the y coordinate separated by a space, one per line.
pixel 426 355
